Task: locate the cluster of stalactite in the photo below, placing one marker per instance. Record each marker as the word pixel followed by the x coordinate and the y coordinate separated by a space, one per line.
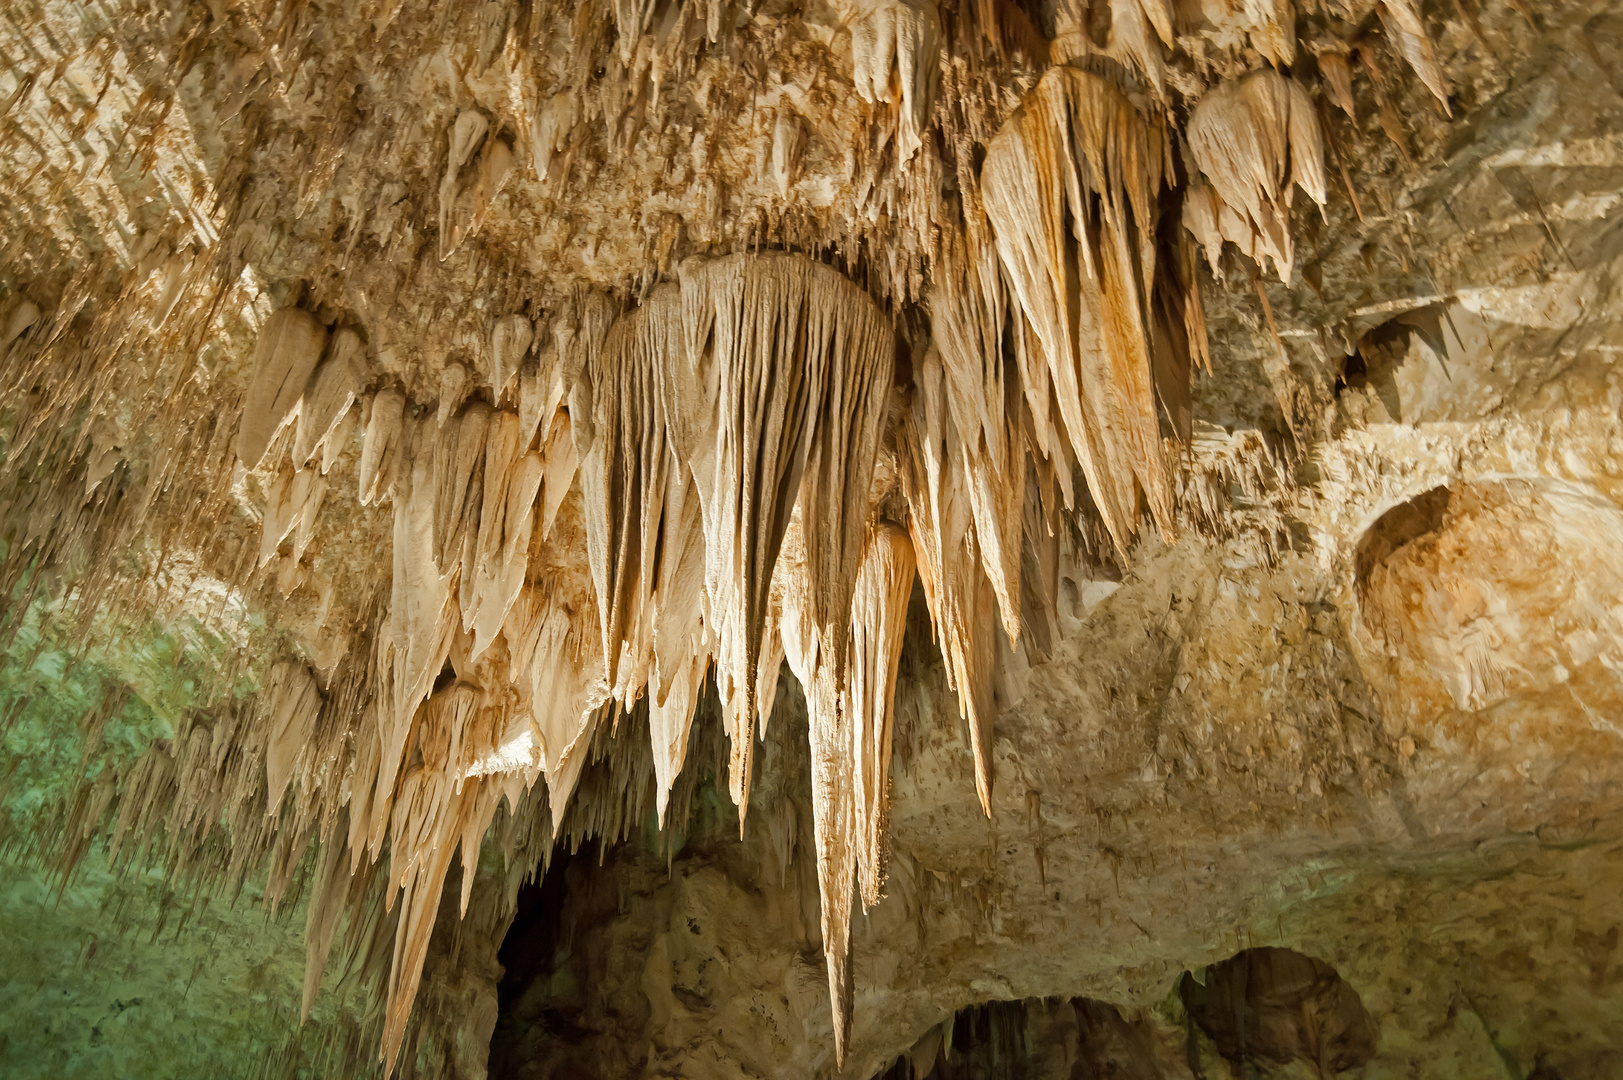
pixel 746 466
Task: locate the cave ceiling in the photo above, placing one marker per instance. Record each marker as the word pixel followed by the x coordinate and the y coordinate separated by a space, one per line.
pixel 757 539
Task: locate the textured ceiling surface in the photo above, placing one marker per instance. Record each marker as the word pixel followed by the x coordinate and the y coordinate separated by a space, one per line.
pixel 967 538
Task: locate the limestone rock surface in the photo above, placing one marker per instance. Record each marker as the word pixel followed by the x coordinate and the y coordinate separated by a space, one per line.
pixel 566 500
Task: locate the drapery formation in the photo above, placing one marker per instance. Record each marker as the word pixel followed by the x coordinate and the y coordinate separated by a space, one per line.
pixel 671 446
pixel 1257 140
pixel 688 491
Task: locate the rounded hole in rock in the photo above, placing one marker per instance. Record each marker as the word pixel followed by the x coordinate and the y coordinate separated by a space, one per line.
pixel 1271 1005
pixel 1482 592
pixel 1381 351
pixel 1404 523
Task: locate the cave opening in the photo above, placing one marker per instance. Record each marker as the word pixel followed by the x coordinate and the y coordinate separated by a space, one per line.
pixel 530 1015
pixel 1279 1006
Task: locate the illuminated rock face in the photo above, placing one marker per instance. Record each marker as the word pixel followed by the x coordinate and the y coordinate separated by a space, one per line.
pixel 913 451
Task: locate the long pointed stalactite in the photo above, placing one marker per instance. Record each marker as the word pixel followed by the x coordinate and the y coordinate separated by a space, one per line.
pixel 1071 186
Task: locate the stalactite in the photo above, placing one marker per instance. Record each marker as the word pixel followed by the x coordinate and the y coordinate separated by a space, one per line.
pixel 22 317
pixel 816 662
pixel 1338 78
pixel 105 454
pixel 785 367
pixel 509 341
pixel 172 284
pixel 878 623
pixel 786 140
pixel 322 915
pixel 540 390
pixel 624 461
pixel 327 398
pixel 1131 30
pixel 1404 24
pixel 1256 140
pixel 549 131
pixel 680 644
pixel 293 499
pixel 898 40
pixel 506 525
pixel 466 133
pixel 458 456
pixel 631 18
pixel 432 835
pixel 381 447
pixel 961 598
pixel 645 540
pixel 291 701
pixel 849 684
pixel 1079 160
pixel 968 313
pixel 422 621
pixel 454 387
pixel 560 666
pixel 559 465
pixel 495 166
pixel 289 346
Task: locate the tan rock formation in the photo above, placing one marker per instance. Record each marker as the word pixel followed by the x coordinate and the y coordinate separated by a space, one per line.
pixel 524 396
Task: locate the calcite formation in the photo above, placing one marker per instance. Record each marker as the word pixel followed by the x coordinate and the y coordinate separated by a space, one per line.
pixel 549 410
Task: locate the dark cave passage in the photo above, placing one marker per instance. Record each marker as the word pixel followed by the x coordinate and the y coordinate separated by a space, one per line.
pixel 1264 1006
pixel 530 1018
